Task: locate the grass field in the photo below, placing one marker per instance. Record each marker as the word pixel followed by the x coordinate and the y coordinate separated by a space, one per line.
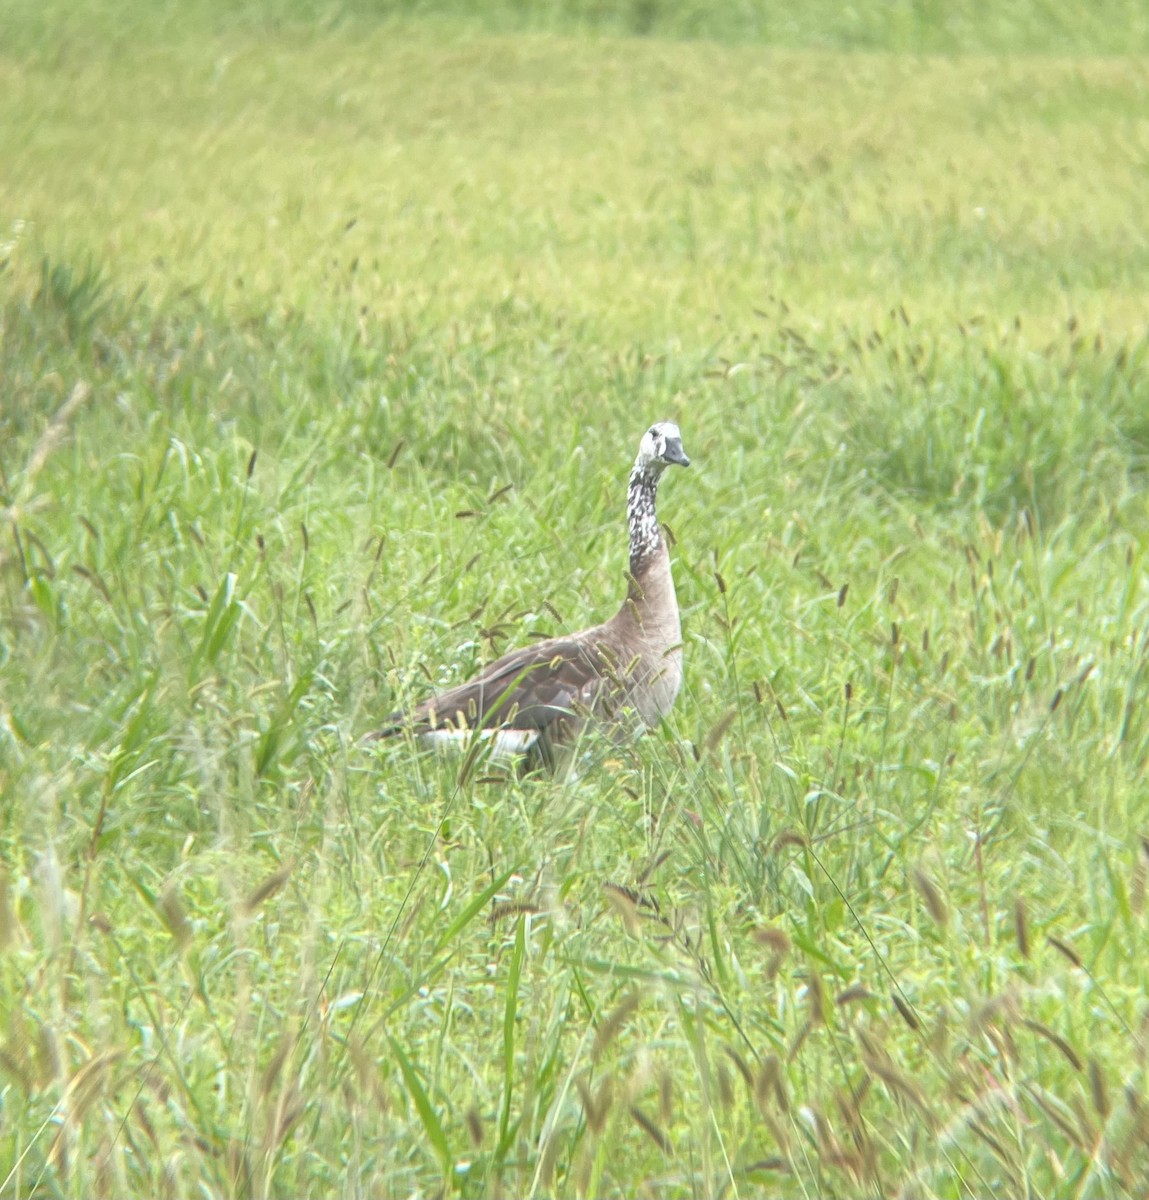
pixel 326 341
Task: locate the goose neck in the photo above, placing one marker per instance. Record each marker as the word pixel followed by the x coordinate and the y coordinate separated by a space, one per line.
pixel 642 518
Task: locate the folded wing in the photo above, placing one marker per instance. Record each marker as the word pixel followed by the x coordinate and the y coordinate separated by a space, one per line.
pixel 552 686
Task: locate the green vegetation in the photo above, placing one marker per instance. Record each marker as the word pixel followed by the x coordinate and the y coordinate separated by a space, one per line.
pixel 918 26
pixel 324 350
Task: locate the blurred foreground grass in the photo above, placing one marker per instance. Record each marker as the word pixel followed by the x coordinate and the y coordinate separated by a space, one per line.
pixel 323 356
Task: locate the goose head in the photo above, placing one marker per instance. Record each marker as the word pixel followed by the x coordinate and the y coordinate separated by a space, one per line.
pixel 661 447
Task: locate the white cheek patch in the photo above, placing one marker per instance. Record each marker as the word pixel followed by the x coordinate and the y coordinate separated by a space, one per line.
pixel 506 743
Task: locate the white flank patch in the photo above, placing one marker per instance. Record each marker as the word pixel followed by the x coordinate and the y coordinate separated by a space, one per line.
pixel 507 743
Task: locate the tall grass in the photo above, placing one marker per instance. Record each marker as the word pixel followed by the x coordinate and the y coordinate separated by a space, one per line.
pixel 864 916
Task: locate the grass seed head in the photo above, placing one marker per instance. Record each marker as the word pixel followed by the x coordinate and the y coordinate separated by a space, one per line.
pixel 613 1024
pixel 1064 949
pixel 725 1086
pixel 770 1087
pixel 856 993
pixel 596 1106
pixel 720 729
pixel 547 1164
pixel 1137 886
pixel 665 1096
pixel 816 998
pixel 741 1066
pixel 777 940
pixel 997 1010
pixel 650 1129
pixel 789 837
pixel 100 923
pixel 799 1041
pixel 1098 1090
pixel 932 897
pixel 1055 1110
pixel 898 1083
pixel 1055 1039
pixel 779 943
pixel 475 1127
pixel 265 890
pixel 7 916
pixel 175 917
pixel 905 1011
pixel 1021 927
pixel 271 1072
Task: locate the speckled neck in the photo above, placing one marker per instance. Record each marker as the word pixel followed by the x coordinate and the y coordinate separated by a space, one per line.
pixel 645 535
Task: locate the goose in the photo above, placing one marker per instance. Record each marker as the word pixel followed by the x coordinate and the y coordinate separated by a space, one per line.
pixel 536 699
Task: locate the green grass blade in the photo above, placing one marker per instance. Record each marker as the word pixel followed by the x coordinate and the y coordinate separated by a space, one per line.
pixel 429 1118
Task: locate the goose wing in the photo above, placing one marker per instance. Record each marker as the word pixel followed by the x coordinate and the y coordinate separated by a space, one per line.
pixel 556 681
